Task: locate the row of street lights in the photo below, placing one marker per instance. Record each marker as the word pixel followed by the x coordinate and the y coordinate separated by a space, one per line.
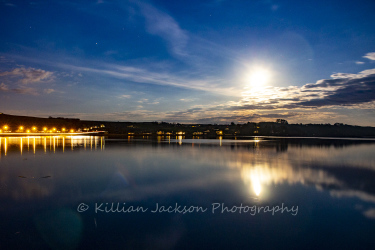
pixel 34 129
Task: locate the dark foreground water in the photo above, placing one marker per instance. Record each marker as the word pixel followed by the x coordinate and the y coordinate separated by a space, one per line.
pixel 174 193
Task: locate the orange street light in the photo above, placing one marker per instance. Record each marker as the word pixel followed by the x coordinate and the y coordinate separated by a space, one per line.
pixel 63 129
pixel 72 131
pixel 34 128
pixel 21 128
pixel 28 131
pixel 54 129
pixel 5 127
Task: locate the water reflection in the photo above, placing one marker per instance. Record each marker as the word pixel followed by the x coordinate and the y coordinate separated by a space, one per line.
pixel 330 183
pixel 52 143
pixel 259 163
pixel 254 177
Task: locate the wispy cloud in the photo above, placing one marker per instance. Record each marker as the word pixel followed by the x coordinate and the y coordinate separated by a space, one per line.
pixel 143 73
pixel 244 118
pixel 10 4
pixel 20 90
pixel 28 75
pixel 163 25
pixel 49 91
pixel 144 76
pixel 370 56
pixel 3 87
pixel 186 100
pixel 143 100
pixel 4 59
pixel 17 78
pixel 124 96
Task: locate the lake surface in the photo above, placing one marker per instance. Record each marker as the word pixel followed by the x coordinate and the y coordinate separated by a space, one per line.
pixel 175 193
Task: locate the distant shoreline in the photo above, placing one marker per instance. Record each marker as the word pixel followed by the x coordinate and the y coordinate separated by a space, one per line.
pixel 281 128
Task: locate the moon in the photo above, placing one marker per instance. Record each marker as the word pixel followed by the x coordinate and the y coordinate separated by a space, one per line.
pixel 259 77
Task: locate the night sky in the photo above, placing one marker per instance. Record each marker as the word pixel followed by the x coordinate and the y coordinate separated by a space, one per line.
pixel 196 61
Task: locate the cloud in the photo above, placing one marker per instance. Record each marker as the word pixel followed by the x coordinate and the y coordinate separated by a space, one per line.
pixel 3 87
pixel 370 56
pixel 186 100
pixel 49 91
pixel 143 100
pixel 163 25
pixel 153 103
pixel 342 90
pixel 358 62
pixel 144 76
pixel 243 118
pixel 10 4
pixel 21 90
pixel 192 49
pixel 29 75
pixel 125 96
pixel 183 114
pixel 4 59
pixel 147 101
pixel 29 91
pixel 17 78
pixel 354 89
pixel 149 73
pixel 275 7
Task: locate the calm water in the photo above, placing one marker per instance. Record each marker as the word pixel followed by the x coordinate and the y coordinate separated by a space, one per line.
pixel 175 193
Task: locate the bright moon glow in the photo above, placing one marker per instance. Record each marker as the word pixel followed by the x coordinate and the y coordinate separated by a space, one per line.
pixel 256 186
pixel 254 177
pixel 259 77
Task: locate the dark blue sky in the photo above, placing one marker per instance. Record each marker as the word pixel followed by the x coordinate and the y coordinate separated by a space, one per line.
pixel 189 61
